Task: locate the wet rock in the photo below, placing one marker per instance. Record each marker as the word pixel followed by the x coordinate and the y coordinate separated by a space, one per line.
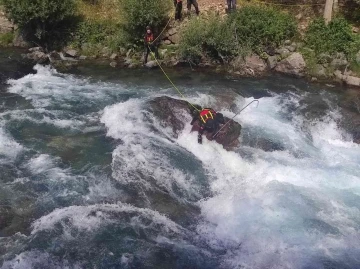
pixel 71 53
pixel 272 61
pixel 38 57
pixel 175 114
pixel 82 57
pixel 292 65
pixel 64 58
pixel 36 49
pixel 113 64
pixel 151 64
pixel 113 56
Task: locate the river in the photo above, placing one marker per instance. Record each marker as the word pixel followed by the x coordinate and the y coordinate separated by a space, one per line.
pixel 89 179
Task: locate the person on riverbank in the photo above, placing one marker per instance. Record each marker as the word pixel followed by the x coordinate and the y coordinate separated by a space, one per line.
pixel 231 5
pixel 209 121
pixel 178 9
pixel 150 44
pixel 195 4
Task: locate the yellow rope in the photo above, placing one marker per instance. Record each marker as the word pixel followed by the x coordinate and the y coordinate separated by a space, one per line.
pixel 176 88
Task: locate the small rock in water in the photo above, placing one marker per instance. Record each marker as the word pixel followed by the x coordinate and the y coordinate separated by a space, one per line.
pixel 151 64
pixel 113 56
pixel 113 64
pixel 71 53
pixel 36 49
pixel 82 57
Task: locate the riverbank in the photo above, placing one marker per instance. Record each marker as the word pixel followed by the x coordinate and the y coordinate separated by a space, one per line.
pixel 204 41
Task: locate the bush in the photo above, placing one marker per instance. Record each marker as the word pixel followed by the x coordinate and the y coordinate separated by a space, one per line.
pixel 99 33
pixel 138 14
pixel 262 27
pixel 335 37
pixel 211 36
pixel 6 39
pixel 45 22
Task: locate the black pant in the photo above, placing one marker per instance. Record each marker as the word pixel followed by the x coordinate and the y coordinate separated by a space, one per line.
pixel 178 9
pixel 154 49
pixel 231 5
pixel 193 2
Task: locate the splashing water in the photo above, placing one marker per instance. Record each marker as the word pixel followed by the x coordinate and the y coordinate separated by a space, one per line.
pixel 89 178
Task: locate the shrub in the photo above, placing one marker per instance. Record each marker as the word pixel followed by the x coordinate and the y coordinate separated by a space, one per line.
pixel 262 27
pixel 45 22
pixel 6 39
pixel 211 36
pixel 337 36
pixel 137 14
pixel 100 33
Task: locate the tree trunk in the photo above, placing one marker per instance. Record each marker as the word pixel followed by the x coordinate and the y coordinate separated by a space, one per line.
pixel 328 10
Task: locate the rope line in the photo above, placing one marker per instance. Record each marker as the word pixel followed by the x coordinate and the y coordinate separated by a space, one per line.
pixel 172 83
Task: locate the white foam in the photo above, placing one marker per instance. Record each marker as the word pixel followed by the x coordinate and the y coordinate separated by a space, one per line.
pixel 37 259
pixel 249 212
pixel 48 88
pixel 140 156
pixel 94 216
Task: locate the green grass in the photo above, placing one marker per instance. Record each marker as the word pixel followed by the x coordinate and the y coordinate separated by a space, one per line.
pixel 6 38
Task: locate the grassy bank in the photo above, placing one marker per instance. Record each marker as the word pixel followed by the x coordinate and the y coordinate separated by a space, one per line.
pixel 102 27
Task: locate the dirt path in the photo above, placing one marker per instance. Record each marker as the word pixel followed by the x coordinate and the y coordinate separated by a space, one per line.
pixel 5 25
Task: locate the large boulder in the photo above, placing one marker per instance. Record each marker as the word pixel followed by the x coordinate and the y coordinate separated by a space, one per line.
pixel 249 66
pixel 175 114
pixel 293 65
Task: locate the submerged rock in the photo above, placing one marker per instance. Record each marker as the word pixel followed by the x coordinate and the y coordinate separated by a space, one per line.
pixel 37 56
pixel 175 114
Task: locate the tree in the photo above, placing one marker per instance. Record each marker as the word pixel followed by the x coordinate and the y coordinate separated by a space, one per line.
pixel 45 22
pixel 138 14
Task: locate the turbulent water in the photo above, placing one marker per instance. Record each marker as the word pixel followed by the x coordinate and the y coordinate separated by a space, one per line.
pixel 90 179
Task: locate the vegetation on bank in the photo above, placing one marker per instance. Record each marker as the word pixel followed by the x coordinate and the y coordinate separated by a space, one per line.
pixel 92 25
pixel 249 29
